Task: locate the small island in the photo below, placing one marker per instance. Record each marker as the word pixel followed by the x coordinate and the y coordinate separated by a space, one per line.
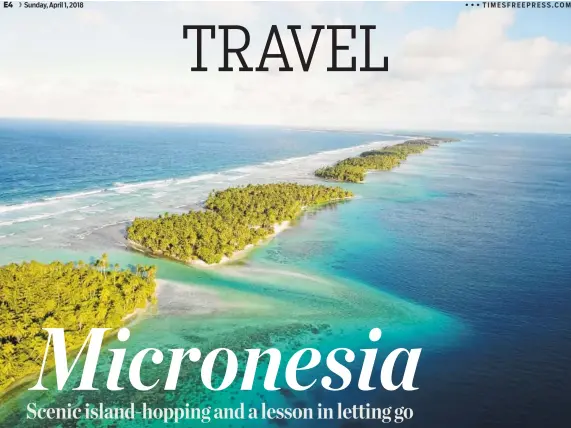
pixel 232 220
pixel 74 296
pixel 353 170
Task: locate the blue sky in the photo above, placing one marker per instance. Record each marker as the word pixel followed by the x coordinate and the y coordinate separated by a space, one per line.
pixel 451 66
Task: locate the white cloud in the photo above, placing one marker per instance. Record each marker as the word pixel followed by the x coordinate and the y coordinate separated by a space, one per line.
pixel 505 79
pixel 91 17
pixel 564 104
pixel 470 75
pixel 478 47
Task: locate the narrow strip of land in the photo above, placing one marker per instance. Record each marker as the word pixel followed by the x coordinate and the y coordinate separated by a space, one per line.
pixel 233 220
pixel 353 170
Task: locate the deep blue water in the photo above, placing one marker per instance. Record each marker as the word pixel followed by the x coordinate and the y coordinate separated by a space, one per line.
pixel 40 158
pixel 477 230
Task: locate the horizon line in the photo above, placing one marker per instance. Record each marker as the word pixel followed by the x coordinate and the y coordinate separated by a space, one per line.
pixel 275 125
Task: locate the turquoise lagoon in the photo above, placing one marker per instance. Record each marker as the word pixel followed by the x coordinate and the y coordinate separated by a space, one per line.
pixel 449 252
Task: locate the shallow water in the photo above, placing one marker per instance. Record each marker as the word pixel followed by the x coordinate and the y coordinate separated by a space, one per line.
pixel 458 251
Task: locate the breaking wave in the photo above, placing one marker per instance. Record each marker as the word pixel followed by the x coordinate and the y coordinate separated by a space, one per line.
pixel 62 219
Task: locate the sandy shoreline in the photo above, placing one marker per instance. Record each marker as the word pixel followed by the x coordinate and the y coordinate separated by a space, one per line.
pixel 240 254
pixel 237 255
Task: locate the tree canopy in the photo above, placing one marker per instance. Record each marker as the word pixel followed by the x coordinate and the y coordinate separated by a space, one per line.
pixel 232 219
pixel 354 169
pixel 73 296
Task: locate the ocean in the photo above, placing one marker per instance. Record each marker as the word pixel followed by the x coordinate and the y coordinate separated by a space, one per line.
pixel 462 250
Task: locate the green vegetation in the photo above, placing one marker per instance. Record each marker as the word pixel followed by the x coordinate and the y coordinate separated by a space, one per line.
pixel 354 169
pixel 233 219
pixel 76 297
